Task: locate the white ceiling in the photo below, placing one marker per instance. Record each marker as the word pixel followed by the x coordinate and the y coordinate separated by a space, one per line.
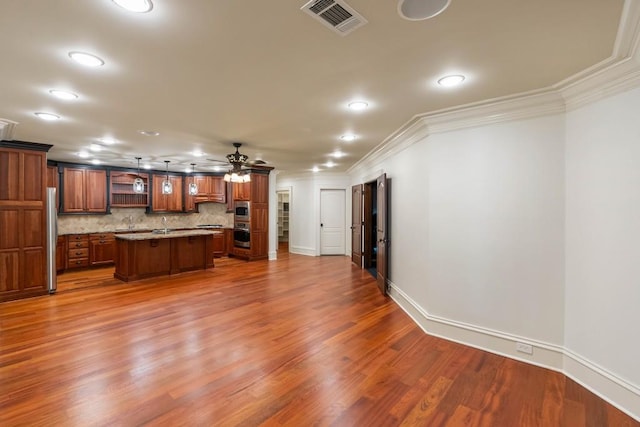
pixel 205 73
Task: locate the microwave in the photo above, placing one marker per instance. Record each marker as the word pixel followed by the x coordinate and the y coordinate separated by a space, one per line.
pixel 241 211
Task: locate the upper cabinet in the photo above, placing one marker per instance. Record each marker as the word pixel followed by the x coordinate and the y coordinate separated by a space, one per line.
pixel 122 194
pixel 242 190
pixel 210 189
pixel 84 190
pixel 166 202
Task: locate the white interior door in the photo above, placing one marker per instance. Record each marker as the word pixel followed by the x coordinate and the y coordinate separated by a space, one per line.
pixel 332 222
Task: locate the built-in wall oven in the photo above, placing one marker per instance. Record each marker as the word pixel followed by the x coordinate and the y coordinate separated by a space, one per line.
pixel 241 211
pixel 242 235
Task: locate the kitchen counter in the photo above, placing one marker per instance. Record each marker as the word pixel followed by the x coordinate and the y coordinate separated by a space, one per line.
pixel 169 235
pixel 142 255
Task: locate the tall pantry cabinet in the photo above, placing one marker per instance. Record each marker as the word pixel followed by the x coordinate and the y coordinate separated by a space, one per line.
pixel 23 189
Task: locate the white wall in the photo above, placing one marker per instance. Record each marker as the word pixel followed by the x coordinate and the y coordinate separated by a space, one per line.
pixel 603 234
pixel 495 220
pixel 304 209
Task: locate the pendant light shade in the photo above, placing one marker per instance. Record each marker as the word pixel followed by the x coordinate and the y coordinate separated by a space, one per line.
pixel 138 183
pixel 167 187
pixel 193 187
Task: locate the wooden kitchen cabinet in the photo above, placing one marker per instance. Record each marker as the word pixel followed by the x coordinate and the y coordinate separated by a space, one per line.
pixel 167 202
pixel 61 254
pixel 210 189
pixel 122 195
pixel 23 181
pixel 242 190
pixel 219 247
pixel 84 190
pixel 102 249
pixel 228 241
pixel 257 192
pixel 77 251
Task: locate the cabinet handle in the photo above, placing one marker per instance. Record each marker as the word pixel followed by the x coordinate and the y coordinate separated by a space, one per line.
pixel 78 253
pixel 78 245
pixel 101 241
pixel 78 262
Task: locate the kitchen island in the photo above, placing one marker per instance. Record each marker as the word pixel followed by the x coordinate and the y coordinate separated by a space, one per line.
pixel 159 253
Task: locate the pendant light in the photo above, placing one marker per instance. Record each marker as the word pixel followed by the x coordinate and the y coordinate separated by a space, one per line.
pixel 138 183
pixel 167 188
pixel 193 187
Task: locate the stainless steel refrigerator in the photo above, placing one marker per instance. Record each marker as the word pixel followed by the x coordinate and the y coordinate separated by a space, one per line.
pixel 52 240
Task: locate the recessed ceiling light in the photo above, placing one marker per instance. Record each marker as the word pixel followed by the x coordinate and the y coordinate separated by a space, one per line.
pixel 47 116
pixel 107 140
pixel 338 154
pixel 149 132
pixel 450 81
pixel 138 6
pixel 358 105
pixel 197 153
pixel 63 94
pixel 417 10
pixel 83 154
pixel 95 147
pixel 147 166
pixel 96 161
pixel 315 169
pixel 329 164
pixel 86 59
pixel 348 137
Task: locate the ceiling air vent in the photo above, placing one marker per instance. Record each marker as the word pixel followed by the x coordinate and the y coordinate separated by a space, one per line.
pixel 337 15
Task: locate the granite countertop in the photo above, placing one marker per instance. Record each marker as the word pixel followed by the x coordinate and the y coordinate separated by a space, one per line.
pixel 121 231
pixel 169 235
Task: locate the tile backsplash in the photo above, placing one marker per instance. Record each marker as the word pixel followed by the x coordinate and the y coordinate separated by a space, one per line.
pixel 120 218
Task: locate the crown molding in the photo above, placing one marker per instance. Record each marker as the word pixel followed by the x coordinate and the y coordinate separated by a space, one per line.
pixel 7 127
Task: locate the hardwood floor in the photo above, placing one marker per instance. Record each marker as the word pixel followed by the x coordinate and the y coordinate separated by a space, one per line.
pixel 299 341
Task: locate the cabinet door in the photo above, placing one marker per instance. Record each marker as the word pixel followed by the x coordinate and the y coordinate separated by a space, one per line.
pixel 189 200
pixel 60 253
pixel 218 189
pixel 101 251
pixel 218 245
pixel 167 202
pixel 159 201
pixel 204 187
pixel 259 188
pixel 22 223
pixel 73 185
pixel 230 199
pixel 174 202
pixel 242 191
pixel 96 190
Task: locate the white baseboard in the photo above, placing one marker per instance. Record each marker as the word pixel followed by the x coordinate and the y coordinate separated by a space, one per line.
pixel 301 250
pixel 613 389
pixel 273 255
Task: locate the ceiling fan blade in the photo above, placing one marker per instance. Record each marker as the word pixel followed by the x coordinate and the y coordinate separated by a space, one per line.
pixel 257 162
pixel 219 161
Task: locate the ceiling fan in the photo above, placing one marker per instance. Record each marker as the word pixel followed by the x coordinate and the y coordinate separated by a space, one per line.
pixel 238 161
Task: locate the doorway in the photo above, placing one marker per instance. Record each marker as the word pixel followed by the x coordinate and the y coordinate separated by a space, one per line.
pixel 332 222
pixel 283 199
pixel 370 204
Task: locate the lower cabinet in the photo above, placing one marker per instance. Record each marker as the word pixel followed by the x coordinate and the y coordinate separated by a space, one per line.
pixel 219 247
pixel 84 250
pixel 61 253
pixel 102 249
pixel 77 251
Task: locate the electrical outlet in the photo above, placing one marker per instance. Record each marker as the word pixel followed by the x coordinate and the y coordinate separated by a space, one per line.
pixel 524 348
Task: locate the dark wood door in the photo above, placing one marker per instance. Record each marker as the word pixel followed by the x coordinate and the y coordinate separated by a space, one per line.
pixel 382 233
pixel 356 225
